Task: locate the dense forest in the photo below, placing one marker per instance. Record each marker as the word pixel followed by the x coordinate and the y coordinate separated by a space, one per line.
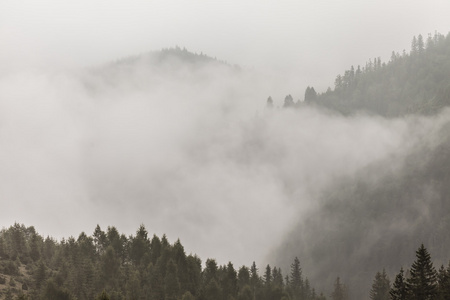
pixel 110 265
pixel 414 82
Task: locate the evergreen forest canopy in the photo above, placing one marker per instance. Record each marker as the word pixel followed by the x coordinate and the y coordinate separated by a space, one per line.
pixel 110 265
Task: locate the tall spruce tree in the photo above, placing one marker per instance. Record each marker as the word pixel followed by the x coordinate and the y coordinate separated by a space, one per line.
pixel 422 283
pixel 340 291
pixel 380 287
pixel 399 290
pixel 443 279
pixel 171 283
pixel 296 280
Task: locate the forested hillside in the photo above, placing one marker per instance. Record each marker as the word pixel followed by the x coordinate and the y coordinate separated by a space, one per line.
pixel 414 82
pixel 371 220
pixel 133 267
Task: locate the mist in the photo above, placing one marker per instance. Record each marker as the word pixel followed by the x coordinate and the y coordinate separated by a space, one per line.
pixel 189 151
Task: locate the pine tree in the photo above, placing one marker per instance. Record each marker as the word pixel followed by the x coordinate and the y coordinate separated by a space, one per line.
pixel 40 275
pixel 288 101
pixel 139 245
pixel 296 280
pixel 254 277
pixel 229 282
pixel 422 281
pixel 171 283
pixel 399 290
pixel 420 44
pixel 194 270
pixel 340 291
pixel 212 290
pixel 443 279
pixel 243 277
pixel 414 48
pixel 380 287
pixel 99 239
pixel 268 276
pixel 310 94
pixel 277 277
pixel 245 293
pixel 34 247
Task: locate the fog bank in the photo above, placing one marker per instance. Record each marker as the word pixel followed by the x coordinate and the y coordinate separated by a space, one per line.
pixel 187 150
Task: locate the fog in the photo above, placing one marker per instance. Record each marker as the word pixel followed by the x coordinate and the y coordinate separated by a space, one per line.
pixel 189 151
pixel 90 135
pixel 305 42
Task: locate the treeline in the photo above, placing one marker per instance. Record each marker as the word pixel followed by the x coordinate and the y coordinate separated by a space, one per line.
pixel 109 265
pixel 421 281
pixel 167 54
pixel 414 82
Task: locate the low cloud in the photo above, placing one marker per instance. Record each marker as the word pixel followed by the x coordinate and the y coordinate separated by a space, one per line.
pixel 189 151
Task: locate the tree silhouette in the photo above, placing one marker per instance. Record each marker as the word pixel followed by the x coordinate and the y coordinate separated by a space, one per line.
pixel 422 283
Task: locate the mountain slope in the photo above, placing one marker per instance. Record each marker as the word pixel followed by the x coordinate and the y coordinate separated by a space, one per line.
pixel 406 84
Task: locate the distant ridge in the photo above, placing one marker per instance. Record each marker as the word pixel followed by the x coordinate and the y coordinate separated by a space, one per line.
pixel 165 54
pixel 417 82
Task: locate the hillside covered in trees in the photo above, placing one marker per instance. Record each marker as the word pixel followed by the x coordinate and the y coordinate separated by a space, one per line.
pixel 133 267
pixel 414 82
pixel 109 265
pixel 390 206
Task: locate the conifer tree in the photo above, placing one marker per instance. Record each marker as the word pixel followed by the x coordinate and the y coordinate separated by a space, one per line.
pixel 229 282
pixel 99 239
pixel 254 278
pixel 288 101
pixel 443 279
pixel 171 283
pixel 399 290
pixel 296 280
pixel 155 246
pixel 340 291
pixel 139 245
pixel 194 270
pixel 277 277
pixel 420 44
pixel 422 281
pixel 380 287
pixel 39 275
pixel 268 276
pixel 245 293
pixel 243 277
pixel 414 48
pixel 212 290
pixel 210 271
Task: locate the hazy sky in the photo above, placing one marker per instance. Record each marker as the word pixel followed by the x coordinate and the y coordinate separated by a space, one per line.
pixel 310 40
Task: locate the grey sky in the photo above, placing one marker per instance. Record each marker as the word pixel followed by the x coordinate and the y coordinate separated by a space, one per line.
pixel 311 41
